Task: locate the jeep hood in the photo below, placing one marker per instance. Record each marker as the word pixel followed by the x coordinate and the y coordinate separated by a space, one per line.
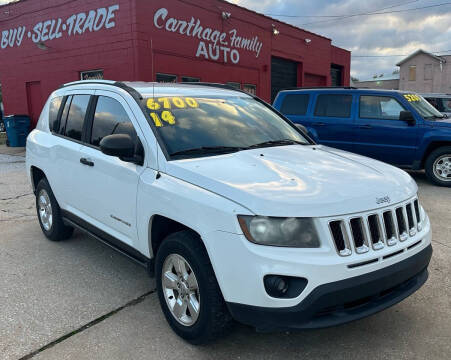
pixel 296 180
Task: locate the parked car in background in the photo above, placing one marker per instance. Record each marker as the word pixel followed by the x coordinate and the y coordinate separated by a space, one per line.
pixel 400 128
pixel 442 102
pixel 236 212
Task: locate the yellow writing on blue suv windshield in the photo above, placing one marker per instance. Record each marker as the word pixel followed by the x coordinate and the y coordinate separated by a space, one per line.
pixel 412 97
pixel 162 108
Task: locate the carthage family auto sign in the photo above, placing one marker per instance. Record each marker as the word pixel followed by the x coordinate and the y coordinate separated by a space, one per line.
pixel 50 29
pixel 213 44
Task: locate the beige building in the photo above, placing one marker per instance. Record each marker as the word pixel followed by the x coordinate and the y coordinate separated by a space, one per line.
pixel 424 72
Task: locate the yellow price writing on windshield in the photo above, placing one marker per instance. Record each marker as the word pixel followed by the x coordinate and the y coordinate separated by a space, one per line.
pixel 168 103
pixel 412 97
pixel 166 116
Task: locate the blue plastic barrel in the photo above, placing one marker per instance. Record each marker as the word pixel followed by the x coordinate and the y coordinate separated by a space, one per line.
pixel 17 129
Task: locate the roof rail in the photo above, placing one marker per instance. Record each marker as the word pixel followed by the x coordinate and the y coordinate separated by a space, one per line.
pixel 321 87
pixel 106 82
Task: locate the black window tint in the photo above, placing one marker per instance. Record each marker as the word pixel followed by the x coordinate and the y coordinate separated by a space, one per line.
pixel 54 109
pixel 64 115
pixel 333 105
pixel 380 107
pixel 76 116
pixel 295 104
pixel 110 118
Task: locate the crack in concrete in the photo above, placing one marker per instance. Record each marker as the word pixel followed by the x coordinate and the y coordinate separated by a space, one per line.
pixel 88 325
pixel 15 197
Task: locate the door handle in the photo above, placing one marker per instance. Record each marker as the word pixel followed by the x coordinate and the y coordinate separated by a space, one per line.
pixel 321 124
pixel 87 162
pixel 365 126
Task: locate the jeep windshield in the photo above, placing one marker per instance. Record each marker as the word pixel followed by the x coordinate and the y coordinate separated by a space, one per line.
pixel 211 125
pixel 426 110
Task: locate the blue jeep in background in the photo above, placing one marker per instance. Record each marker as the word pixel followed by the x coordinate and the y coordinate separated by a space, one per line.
pixel 396 127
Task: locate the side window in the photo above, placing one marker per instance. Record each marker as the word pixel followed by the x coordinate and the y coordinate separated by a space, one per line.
pixel 295 104
pixel 333 105
pixel 63 119
pixel 54 109
pixel 76 116
pixel 380 107
pixel 110 118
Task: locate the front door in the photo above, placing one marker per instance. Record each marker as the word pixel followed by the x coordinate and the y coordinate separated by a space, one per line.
pixel 379 132
pixel 110 184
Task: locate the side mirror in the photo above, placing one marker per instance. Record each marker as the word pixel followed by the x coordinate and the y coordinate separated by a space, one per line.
pixel 302 128
pixel 407 116
pixel 119 145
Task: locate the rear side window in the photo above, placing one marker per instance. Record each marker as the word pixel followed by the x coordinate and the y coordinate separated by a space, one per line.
pixel 54 109
pixel 295 104
pixel 333 105
pixel 380 107
pixel 76 116
pixel 110 118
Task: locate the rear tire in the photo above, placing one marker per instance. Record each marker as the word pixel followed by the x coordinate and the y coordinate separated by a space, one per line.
pixel 212 318
pixel 49 214
pixel 438 166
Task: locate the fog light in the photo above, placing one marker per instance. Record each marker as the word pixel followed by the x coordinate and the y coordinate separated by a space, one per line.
pixel 276 286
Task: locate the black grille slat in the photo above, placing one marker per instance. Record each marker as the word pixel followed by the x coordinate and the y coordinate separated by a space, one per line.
pixel 389 226
pixel 410 219
pixel 375 233
pixel 337 233
pixel 357 232
pixel 401 221
pixel 417 210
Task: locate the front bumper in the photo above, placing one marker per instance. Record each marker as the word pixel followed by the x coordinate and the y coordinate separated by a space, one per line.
pixel 342 301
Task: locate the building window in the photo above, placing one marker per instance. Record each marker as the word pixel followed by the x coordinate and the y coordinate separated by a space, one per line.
pixel 91 75
pixel 428 72
pixel 166 78
pixel 412 73
pixel 189 79
pixel 251 89
pixel 235 85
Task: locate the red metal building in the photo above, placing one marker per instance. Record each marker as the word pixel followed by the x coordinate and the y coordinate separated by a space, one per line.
pixel 45 43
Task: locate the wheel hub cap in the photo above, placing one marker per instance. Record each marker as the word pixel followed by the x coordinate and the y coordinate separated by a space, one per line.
pixel 180 289
pixel 45 210
pixel 442 168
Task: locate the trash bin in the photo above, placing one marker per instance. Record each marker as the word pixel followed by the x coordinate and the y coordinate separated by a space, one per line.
pixel 17 129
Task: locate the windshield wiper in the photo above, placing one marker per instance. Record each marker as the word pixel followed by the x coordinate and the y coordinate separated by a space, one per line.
pixel 276 143
pixel 207 150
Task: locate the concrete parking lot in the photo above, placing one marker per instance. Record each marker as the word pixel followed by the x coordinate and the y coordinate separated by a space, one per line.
pixel 79 299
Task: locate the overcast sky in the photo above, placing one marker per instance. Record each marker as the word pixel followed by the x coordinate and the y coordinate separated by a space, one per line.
pixel 397 33
pixel 387 34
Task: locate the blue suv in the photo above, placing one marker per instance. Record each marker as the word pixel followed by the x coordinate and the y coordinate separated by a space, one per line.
pixel 400 128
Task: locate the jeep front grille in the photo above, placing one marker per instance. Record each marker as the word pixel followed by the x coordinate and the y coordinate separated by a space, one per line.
pixel 372 232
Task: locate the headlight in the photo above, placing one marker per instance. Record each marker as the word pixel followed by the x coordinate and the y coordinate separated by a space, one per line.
pixel 274 231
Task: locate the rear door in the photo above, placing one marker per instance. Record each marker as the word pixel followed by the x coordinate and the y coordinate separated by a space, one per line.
pixel 331 123
pixel 379 132
pixel 65 153
pixel 110 184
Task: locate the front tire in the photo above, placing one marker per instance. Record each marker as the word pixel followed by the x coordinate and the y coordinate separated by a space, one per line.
pixel 438 166
pixel 188 291
pixel 49 214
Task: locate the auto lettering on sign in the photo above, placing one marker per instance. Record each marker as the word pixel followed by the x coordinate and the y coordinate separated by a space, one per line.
pixel 213 44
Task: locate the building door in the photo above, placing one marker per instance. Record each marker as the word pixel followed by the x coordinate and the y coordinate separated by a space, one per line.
pixel 34 99
pixel 284 74
pixel 336 75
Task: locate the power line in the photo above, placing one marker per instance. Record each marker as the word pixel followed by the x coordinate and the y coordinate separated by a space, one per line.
pixel 344 16
pixel 377 12
pixel 385 56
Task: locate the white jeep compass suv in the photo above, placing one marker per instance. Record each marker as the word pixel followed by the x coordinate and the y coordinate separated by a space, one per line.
pixel 237 213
